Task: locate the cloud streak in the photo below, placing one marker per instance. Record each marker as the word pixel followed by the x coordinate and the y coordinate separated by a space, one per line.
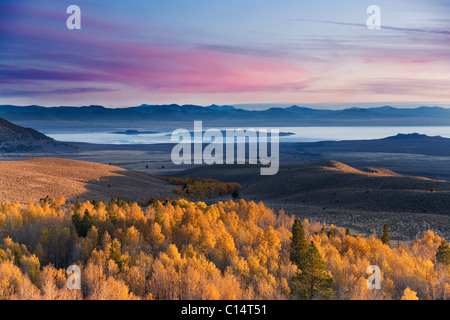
pixel 361 25
pixel 68 91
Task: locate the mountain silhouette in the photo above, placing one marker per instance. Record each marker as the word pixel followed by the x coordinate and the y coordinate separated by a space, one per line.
pixel 44 117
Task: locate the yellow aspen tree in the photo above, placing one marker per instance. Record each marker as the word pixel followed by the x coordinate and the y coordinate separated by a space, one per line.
pixel 408 294
pixel 156 237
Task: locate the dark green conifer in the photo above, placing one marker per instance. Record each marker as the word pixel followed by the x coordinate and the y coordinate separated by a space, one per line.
pixel 313 281
pixel 443 253
pixel 385 238
pixel 299 246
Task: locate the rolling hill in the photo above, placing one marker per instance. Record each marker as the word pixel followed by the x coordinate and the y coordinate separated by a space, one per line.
pixel 16 139
pixel 332 184
pixel 36 178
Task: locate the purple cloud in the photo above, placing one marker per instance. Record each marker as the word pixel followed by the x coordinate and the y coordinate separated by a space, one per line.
pixel 78 56
pixel 31 93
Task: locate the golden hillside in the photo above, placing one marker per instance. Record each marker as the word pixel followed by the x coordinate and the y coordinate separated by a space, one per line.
pixel 36 178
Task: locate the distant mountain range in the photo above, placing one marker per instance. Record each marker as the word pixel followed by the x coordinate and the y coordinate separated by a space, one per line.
pixel 16 139
pixel 39 117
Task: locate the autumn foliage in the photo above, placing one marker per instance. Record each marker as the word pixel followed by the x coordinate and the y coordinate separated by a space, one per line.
pixel 203 188
pixel 187 250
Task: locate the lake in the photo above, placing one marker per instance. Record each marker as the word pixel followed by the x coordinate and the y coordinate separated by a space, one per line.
pixel 289 134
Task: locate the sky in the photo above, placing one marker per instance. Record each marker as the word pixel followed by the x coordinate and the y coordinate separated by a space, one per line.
pixel 205 52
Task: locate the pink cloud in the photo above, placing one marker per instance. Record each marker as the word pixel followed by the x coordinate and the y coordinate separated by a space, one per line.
pixel 79 56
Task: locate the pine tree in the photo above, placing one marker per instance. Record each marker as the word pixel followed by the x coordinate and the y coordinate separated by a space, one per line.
pixel 313 281
pixel 385 238
pixel 115 253
pixel 299 246
pixel 77 222
pixel 82 225
pixel 87 221
pixel 443 253
pixel 112 215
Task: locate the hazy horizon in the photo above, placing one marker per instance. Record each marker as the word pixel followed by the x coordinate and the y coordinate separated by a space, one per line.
pixel 268 105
